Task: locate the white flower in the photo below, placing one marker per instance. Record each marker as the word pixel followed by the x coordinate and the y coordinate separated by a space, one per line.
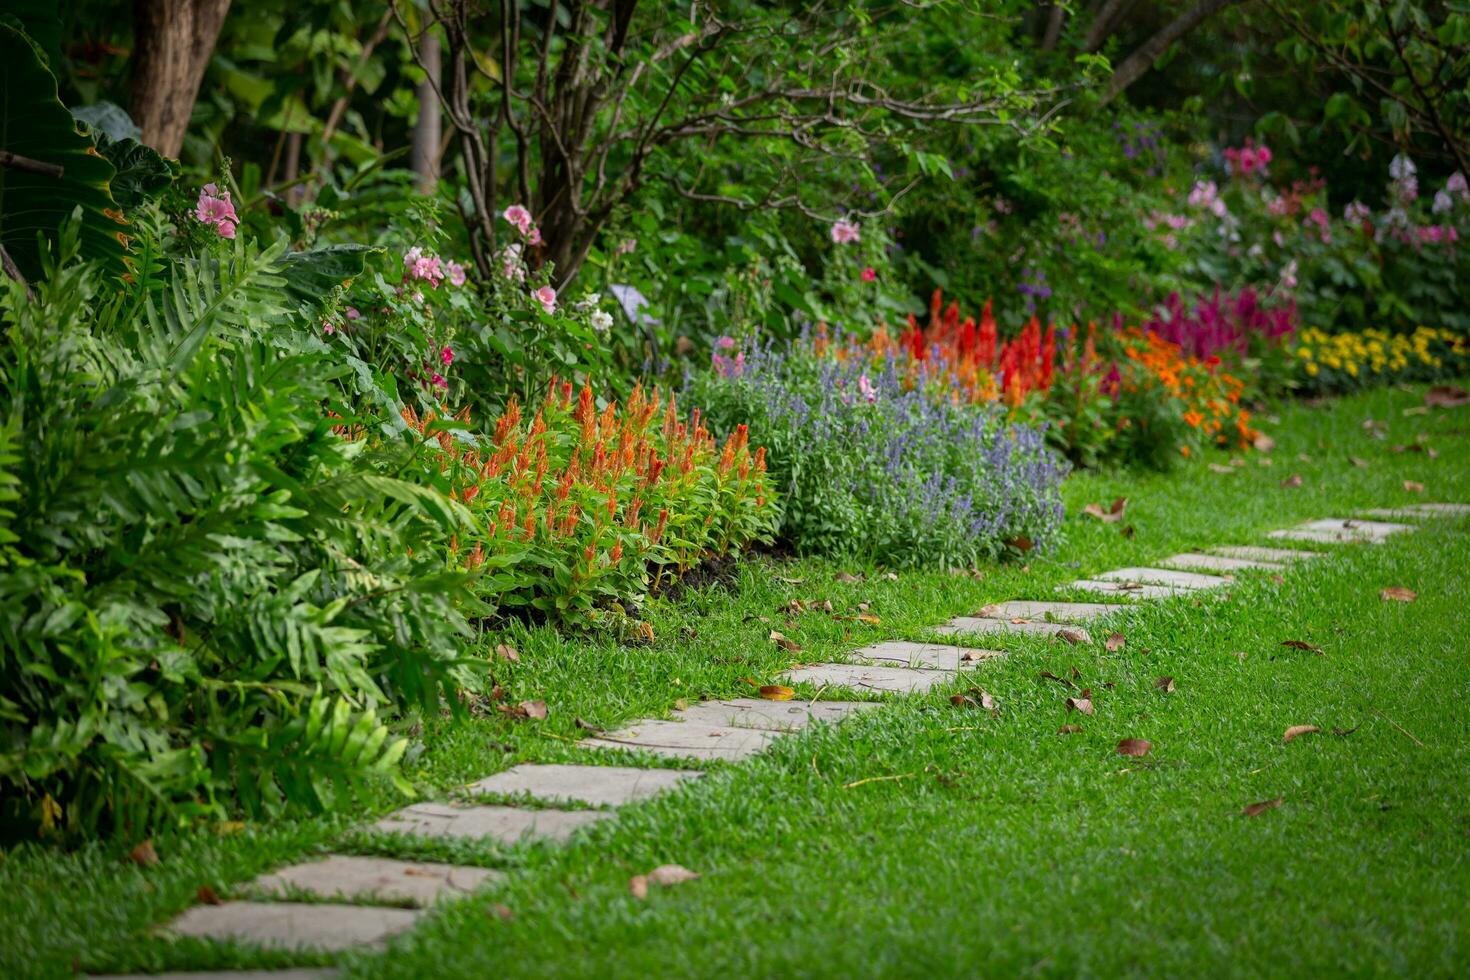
pixel 601 321
pixel 1401 167
pixel 1442 202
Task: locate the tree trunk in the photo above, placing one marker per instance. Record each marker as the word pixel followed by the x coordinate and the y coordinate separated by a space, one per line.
pixel 1054 23
pixel 1102 25
pixel 172 42
pixel 1137 64
pixel 426 132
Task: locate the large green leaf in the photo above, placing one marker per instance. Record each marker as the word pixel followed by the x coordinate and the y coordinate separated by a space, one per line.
pixel 312 275
pixel 142 172
pixel 34 124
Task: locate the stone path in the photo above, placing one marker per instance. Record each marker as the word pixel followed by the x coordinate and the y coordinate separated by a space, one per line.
pixel 357 902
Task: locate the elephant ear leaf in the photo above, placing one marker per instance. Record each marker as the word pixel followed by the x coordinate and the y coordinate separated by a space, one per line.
pixel 35 126
pixel 312 276
pixel 142 172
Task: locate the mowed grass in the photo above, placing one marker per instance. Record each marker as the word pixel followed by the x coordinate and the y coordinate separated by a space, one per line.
pixel 929 838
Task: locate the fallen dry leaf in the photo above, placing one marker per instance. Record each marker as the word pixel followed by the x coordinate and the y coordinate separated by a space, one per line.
pixel 777 692
pixel 785 642
pixel 533 709
pixel 638 886
pixel 1359 462
pixel 1256 809
pixel 1111 515
pixel 1083 705
pixel 1060 680
pixel 1296 730
pixel 207 896
pixel 848 577
pixel 1134 746
pixel 1413 487
pixel 1240 654
pixel 1446 396
pixel 1237 460
pixel 1128 531
pixel 1264 443
pixel 507 652
pixel 501 912
pixel 1397 593
pixel 1070 730
pixel 1343 732
pixel 1115 642
pixel 1165 684
pixel 1072 636
pixel 1295 480
pixel 868 618
pixel 144 856
pixel 663 876
pixel 1221 468
pixel 1300 645
pixel 587 726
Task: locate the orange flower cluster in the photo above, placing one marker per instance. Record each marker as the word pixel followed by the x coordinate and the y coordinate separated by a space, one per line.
pixel 1210 398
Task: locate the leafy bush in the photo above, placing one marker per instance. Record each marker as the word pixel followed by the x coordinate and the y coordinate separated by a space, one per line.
pixel 879 464
pixel 575 506
pixel 206 595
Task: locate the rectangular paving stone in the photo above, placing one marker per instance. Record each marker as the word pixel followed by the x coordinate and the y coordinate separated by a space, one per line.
pixel 595 785
pixel 1418 512
pixel 775 716
pixel 296 925
pixel 1254 553
pixel 678 740
pixel 937 656
pixel 506 824
pixel 877 677
pixel 299 973
pixel 1457 510
pixel 349 876
pixel 975 624
pixel 1338 529
pixel 1164 576
pixel 1131 590
pixel 1218 563
pixel 1050 612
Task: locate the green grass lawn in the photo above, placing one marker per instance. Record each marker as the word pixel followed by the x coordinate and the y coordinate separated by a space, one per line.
pixel 996 845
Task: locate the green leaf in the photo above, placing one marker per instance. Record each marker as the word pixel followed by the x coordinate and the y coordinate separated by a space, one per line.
pixel 312 276
pixel 142 172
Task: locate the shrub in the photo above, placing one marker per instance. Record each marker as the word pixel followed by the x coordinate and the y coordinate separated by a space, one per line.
pixel 575 506
pixel 1329 363
pixel 206 595
pixel 880 463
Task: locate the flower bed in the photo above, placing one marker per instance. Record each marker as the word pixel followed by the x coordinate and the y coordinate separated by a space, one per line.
pixel 1327 363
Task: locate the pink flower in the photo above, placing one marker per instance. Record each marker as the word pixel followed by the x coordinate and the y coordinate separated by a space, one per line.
pixel 866 389
pixel 447 356
pixel 534 238
pixel 546 296
pixel 626 247
pixel 438 382
pixel 845 231
pixel 869 275
pixel 518 216
pixel 456 273
pixel 353 314
pixel 422 266
pixel 725 343
pixel 215 208
pixel 328 328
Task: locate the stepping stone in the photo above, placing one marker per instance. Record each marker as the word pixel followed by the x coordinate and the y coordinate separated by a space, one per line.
pixel 859 677
pixel 775 716
pixel 1252 553
pixel 295 925
pixel 1219 563
pixel 296 974
pixel 1134 590
pixel 1457 510
pixel 346 876
pixel 1164 576
pixel 595 785
pixel 506 824
pixel 1419 512
pixel 682 740
pixel 937 656
pixel 1050 612
pixel 1335 529
pixel 975 624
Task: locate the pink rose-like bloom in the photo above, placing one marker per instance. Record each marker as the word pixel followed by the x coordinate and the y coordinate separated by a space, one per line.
pixel 869 274
pixel 215 208
pixel 353 314
pixel 534 238
pixel 844 232
pixel 518 216
pixel 725 343
pixel 546 296
pixel 866 389
pixel 438 382
pixel 422 266
pixel 447 356
pixel 456 273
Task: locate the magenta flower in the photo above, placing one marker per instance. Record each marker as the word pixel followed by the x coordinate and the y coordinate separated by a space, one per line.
pixel 438 382
pixel 866 389
pixel 353 314
pixel 215 208
pixel 518 216
pixel 546 296
pixel 447 356
pixel 844 232
pixel 869 274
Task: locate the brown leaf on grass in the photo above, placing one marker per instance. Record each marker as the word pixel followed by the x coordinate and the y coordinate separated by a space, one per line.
pixel 1060 680
pixel 777 692
pixel 974 698
pixel 1221 468
pixel 1072 636
pixel 1298 730
pixel 1083 705
pixel 1112 515
pixel 1446 396
pixel 1165 684
pixel 868 618
pixel 1397 593
pixel 795 607
pixel 893 576
pixel 1359 462
pixel 501 912
pixel 1256 809
pixel 144 856
pixel 970 656
pixel 207 896
pixel 1237 461
pixel 1343 732
pixel 1264 461
pixel 532 709
pixel 1020 542
pixel 848 578
pixel 683 346
pixel 663 876
pixel 1070 730
pixel 1264 443
pixel 1115 642
pixel 507 652
pixel 1134 746
pixel 1301 645
pixel 1413 487
pixel 638 886
pixel 587 726
pixel 1295 480
pixel 1240 654
pixel 785 642
pixel 1278 579
pixel 1128 531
